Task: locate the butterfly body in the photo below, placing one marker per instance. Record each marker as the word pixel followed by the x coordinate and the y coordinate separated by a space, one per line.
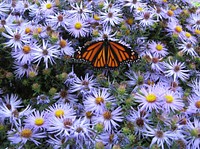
pixel 106 54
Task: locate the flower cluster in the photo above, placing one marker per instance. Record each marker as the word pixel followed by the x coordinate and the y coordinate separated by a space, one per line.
pixel 49 99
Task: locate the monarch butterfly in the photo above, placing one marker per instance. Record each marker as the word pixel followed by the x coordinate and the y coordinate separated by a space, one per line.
pixel 106 54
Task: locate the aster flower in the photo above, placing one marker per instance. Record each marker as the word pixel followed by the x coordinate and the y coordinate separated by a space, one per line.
pixel 106 32
pixel 25 54
pixel 172 85
pixel 109 139
pixel 158 12
pixel 187 48
pixel 111 17
pixel 151 77
pixel 47 7
pixel 71 77
pixel 170 15
pixel 57 20
pixel 194 104
pixel 36 13
pixel 171 101
pixel 65 97
pixel 66 47
pixel 132 4
pixel 148 98
pixel 192 134
pixel 193 20
pixel 60 110
pixel 16 22
pixel 61 126
pixel 78 28
pixel 176 69
pixel 13 101
pixel 188 37
pixel 96 101
pixel 82 132
pixel 140 119
pixel 160 137
pixel 19 6
pixel 46 52
pixel 10 109
pixel 140 9
pixel 157 48
pixel 23 69
pixel 43 99
pixel 135 79
pixel 16 38
pixel 176 123
pixel 174 28
pixel 83 85
pixel 145 19
pixel 36 120
pixel 109 119
pixel 195 85
pixel 79 11
pixel 23 134
pixel 155 62
pixel 4 8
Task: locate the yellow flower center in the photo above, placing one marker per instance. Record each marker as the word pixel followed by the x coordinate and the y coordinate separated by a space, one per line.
pixel 188 35
pixel 99 100
pixel 39 29
pixel 49 6
pixel 151 97
pixel 78 25
pixel 27 30
pixel 178 29
pixel 139 8
pixel 59 112
pixel 39 121
pixel 159 47
pixel 26 49
pixel 26 133
pixel 169 98
pixel 164 1
pixel 197 31
pixel 170 13
pixel 63 43
pixel 96 17
pixel 197 104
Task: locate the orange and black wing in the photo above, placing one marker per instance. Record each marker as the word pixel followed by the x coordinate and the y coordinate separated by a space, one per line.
pixel 106 54
pixel 119 53
pixel 94 53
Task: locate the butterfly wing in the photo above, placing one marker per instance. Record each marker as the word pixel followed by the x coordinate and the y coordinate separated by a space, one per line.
pixel 107 53
pixel 94 53
pixel 119 53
